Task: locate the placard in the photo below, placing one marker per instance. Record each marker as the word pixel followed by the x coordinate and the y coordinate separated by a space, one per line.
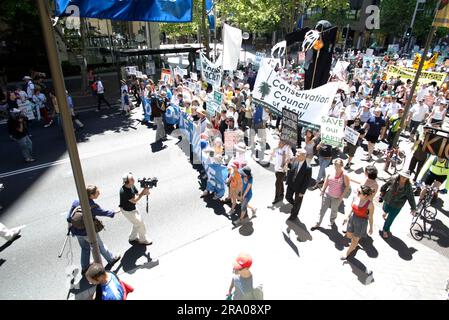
pixel 332 131
pixel 194 76
pixel 289 132
pixel 351 136
pixel 27 108
pixel 231 140
pixel 166 76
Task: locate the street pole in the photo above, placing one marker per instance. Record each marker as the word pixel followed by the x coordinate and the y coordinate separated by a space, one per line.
pixel 148 36
pixel 67 125
pixel 413 22
pixel 415 81
pixel 204 28
pixel 346 39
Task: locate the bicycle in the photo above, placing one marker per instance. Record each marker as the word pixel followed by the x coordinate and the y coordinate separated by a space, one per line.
pixel 424 212
pixel 395 158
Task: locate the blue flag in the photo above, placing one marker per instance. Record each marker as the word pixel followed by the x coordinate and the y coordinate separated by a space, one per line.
pixel 210 14
pixel 129 10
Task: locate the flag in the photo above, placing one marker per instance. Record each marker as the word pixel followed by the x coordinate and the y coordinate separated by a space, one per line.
pixel 130 10
pixel 232 43
pixel 210 14
pixel 442 16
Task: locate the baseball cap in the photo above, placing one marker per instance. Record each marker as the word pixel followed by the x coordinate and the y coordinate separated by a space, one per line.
pixel 243 261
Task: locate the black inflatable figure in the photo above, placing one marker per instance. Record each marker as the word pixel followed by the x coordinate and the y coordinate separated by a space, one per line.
pixel 321 58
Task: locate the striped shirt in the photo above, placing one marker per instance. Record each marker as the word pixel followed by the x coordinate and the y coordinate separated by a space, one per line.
pixel 336 186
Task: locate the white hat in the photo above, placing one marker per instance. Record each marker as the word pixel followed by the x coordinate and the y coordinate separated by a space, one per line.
pixel 27 78
pixel 405 174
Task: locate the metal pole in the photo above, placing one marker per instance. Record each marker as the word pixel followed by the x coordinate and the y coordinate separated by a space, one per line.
pixel 411 24
pixel 346 39
pixel 67 125
pixel 415 82
pixel 148 36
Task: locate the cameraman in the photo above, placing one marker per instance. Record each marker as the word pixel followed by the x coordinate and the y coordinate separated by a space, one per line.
pixel 128 201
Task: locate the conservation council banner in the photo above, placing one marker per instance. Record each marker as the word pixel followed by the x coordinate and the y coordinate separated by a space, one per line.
pixel 271 90
pixel 408 73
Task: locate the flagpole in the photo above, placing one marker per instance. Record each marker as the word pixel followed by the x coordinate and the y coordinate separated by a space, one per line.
pixel 415 81
pixel 67 125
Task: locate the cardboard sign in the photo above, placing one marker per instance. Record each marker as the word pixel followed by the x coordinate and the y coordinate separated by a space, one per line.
pixel 332 131
pixel 289 132
pixel 194 76
pixel 231 139
pixel 436 143
pixel 351 136
pixel 211 72
pixel 27 108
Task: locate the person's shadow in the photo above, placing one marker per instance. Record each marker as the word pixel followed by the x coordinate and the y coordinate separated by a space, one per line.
pixel 157 146
pixel 367 245
pixel 335 236
pixel 128 263
pixel 397 244
pixel 364 275
pixel 8 243
pixel 300 229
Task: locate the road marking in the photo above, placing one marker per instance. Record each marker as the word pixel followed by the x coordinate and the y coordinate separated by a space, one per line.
pixel 67 160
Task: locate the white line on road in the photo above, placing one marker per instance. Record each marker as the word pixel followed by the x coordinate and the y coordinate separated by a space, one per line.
pixel 67 160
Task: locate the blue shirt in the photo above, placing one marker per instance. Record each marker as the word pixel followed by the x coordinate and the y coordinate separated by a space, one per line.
pixel 96 211
pixel 249 195
pixel 112 290
pixel 375 125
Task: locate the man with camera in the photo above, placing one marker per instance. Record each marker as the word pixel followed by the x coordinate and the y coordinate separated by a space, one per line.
pixel 129 196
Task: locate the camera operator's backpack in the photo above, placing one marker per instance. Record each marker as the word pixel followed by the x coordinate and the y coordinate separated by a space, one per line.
pixel 76 219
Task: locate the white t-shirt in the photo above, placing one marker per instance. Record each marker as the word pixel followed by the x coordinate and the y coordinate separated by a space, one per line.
pixel 278 154
pixel 30 90
pixel 419 112
pixel 351 112
pixel 100 88
pixel 392 108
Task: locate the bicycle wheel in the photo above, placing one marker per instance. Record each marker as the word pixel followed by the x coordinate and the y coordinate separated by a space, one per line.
pixel 417 231
pixel 430 213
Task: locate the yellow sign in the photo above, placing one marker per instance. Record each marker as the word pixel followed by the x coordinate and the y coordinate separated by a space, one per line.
pixel 431 63
pixel 409 73
pixel 442 17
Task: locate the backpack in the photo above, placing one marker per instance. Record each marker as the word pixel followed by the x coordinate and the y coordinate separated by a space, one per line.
pixel 94 86
pixel 77 222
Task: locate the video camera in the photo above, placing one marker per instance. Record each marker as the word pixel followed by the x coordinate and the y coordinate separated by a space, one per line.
pixel 148 182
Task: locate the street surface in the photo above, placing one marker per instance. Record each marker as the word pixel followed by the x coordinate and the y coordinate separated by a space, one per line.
pixel 194 242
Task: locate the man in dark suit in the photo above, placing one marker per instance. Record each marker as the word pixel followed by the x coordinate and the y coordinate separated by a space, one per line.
pixel 298 180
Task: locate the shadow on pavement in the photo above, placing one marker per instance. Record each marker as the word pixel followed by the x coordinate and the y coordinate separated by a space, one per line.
pixel 364 275
pixel 439 204
pixel 368 246
pixel 157 146
pixel 335 236
pixel 128 263
pixel 440 231
pixel 8 243
pixel 83 291
pixel 246 229
pixel 299 229
pixel 403 250
pixel 2 261
pixel 290 243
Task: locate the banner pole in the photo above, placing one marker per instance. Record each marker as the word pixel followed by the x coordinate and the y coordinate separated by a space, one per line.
pixel 415 81
pixel 67 125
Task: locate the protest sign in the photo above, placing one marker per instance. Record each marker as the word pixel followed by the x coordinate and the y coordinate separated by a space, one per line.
pixel 332 131
pixel 408 73
pixel 231 139
pixel 214 102
pixel 210 72
pixel 289 132
pixel 27 108
pixel 194 76
pixel 166 76
pixel 151 68
pixel 301 57
pixel 351 135
pixel 275 93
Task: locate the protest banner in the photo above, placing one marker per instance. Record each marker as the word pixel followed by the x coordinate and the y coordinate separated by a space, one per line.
pixel 210 72
pixel 408 73
pixel 289 132
pixel 27 108
pixel 436 143
pixel 332 131
pixel 231 139
pixel 351 136
pixel 275 93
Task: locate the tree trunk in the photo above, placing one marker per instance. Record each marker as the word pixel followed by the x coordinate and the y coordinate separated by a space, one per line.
pixel 83 61
pixel 205 29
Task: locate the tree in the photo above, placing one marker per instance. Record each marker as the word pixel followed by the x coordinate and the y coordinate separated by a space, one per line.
pixel 264 89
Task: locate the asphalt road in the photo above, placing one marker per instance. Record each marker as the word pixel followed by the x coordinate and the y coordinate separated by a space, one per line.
pixel 39 199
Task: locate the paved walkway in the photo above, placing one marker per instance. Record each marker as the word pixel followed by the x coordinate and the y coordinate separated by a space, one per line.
pixel 293 262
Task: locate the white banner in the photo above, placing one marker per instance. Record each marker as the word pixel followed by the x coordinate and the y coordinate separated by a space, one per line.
pixel 210 72
pixel 332 131
pixel 270 89
pixel 351 135
pixel 232 43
